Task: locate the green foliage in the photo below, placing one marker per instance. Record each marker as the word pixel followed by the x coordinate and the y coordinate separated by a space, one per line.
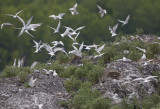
pixel 11 71
pixel 69 71
pixel 94 74
pixel 80 73
pixel 62 58
pixel 72 84
pixel 84 96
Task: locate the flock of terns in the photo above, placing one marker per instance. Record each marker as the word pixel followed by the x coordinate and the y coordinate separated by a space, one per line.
pixel 58 46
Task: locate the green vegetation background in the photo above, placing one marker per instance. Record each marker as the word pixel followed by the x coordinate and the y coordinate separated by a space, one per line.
pixel 144 14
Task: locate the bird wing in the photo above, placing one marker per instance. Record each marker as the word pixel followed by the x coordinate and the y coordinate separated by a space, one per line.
pixel 115 27
pixel 61 14
pixel 80 28
pixel 80 48
pixel 59 24
pixel 18 12
pixel 127 18
pixel 21 20
pixel 29 21
pixel 52 28
pixel 99 8
pixel 100 48
pixel 75 6
pixel 29 34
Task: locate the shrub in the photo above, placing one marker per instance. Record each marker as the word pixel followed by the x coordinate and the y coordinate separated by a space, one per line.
pixel 72 84
pixel 62 58
pixel 80 73
pixel 84 96
pixel 69 71
pixel 94 74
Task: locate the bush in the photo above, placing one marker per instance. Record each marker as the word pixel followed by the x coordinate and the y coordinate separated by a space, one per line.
pixel 94 74
pixel 84 96
pixel 72 84
pixel 80 73
pixel 62 58
pixel 69 71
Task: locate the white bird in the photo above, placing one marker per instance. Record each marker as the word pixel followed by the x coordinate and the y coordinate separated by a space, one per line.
pixel 100 55
pixel 47 71
pixel 14 64
pixel 147 79
pixel 16 15
pixel 59 17
pixel 25 27
pixel 32 82
pixel 143 57
pixel 33 26
pixel 56 30
pixel 126 21
pixel 113 30
pixel 56 49
pixel 143 50
pixel 77 51
pixel 9 24
pixel 101 11
pixel 37 46
pixel 21 62
pixel 68 32
pixel 34 64
pixel 54 73
pixel 98 50
pixel 74 9
pixel 126 59
pixel 55 43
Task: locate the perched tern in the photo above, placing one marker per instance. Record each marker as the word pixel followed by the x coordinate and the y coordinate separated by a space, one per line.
pixel 32 82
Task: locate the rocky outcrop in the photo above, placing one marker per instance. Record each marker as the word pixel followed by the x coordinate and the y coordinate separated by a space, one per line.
pixel 119 80
pixel 46 94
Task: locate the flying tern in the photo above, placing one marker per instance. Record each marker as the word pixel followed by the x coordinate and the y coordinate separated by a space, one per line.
pixel 113 30
pixel 126 21
pixel 101 11
pixel 77 51
pixel 56 30
pixel 74 9
pixel 9 24
pixel 59 17
pixel 55 43
pixel 37 46
pixel 34 64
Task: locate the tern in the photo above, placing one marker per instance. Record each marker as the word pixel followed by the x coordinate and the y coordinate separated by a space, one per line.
pixel 9 24
pixel 54 73
pixel 14 64
pixel 60 49
pixel 68 32
pixel 113 30
pixel 77 51
pixel 16 15
pixel 143 50
pixel 37 102
pixel 32 82
pixel 25 27
pixel 74 10
pixel 34 64
pixel 143 57
pixel 98 50
pixel 55 43
pixel 101 11
pixel 37 46
pixel 59 17
pixel 47 71
pixel 147 79
pixel 126 59
pixel 126 21
pixel 56 30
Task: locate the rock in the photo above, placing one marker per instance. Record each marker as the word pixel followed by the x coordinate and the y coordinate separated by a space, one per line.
pixel 48 90
pixel 117 80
